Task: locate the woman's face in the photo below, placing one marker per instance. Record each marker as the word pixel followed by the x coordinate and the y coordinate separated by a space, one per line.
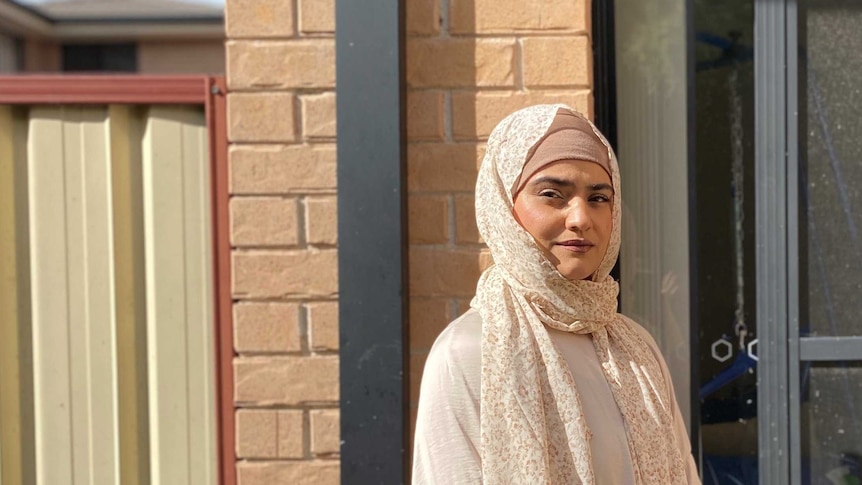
pixel 567 208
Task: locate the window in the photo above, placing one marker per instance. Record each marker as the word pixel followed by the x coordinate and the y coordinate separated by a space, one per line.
pixel 100 57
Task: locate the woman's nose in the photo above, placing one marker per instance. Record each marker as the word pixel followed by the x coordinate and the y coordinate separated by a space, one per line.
pixel 578 216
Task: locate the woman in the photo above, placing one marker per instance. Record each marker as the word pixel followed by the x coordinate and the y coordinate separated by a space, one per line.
pixel 542 381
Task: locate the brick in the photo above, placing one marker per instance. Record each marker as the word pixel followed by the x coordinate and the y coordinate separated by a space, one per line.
pixel 441 167
pixel 323 325
pixel 260 117
pixel 417 366
pixel 423 17
pixel 256 434
pixel 267 169
pixel 557 61
pixel 508 16
pixel 424 115
pixel 448 62
pixel 466 231
pixel 443 272
pixel 321 220
pixel 258 18
pixel 290 434
pixel 325 431
pixel 428 317
pixel 318 116
pixel 428 219
pixel 266 327
pixel 267 64
pixel 269 274
pixel 315 472
pixel 475 114
pixel 286 380
pixel 316 16
pixel 257 221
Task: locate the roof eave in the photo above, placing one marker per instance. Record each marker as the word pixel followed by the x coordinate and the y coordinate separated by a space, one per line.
pixel 84 31
pixel 20 20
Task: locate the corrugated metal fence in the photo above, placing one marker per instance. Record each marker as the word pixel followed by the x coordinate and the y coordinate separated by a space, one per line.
pixel 106 312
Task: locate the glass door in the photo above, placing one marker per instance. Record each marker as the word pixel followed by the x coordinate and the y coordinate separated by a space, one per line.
pixel 827 380
pixel 808 127
pixel 777 267
pixel 774 250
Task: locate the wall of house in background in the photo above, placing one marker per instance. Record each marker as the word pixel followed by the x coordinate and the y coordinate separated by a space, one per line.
pixel 181 57
pixel 469 63
pixel 162 56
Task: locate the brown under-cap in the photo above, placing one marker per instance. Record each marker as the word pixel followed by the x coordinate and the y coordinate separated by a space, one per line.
pixel 569 137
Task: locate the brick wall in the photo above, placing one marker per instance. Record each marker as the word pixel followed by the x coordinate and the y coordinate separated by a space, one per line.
pixel 469 63
pixel 281 128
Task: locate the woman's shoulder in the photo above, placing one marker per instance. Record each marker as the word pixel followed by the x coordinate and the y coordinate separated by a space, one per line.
pixel 459 345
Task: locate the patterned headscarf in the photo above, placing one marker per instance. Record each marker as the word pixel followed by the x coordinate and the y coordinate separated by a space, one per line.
pixel 533 428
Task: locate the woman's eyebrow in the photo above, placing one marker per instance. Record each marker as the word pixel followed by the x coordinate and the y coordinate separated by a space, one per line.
pixel 547 179
pixel 601 187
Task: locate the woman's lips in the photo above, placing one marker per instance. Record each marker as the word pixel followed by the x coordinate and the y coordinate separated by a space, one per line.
pixel 577 245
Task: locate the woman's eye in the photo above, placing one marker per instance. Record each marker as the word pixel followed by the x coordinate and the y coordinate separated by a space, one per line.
pixel 600 198
pixel 549 193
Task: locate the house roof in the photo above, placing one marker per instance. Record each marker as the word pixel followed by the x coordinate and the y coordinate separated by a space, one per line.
pixel 21 19
pixel 85 20
pixel 128 10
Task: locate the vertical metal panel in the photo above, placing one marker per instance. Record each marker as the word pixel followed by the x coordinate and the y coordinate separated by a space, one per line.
pixel 793 271
pixel 177 292
pixel 199 302
pixel 216 112
pixel 166 335
pixel 52 394
pixel 126 125
pixel 10 407
pixel 17 461
pixel 73 290
pixel 771 236
pixel 371 229
pixel 90 244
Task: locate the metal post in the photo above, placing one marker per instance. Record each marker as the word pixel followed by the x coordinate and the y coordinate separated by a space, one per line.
pixel 372 242
pixel 794 417
pixel 771 239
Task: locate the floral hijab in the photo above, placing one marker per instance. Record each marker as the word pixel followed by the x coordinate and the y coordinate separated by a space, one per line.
pixel 533 428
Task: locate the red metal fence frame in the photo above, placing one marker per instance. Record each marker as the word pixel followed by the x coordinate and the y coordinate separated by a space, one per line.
pixel 209 91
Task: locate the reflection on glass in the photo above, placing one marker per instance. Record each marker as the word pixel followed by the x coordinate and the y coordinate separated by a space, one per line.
pixel 651 114
pixel 830 129
pixel 830 150
pixel 725 272
pixel 832 423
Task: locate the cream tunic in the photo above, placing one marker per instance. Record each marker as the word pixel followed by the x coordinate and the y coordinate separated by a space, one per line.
pixel 447 439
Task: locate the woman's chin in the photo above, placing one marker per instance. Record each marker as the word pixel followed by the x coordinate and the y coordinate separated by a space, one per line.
pixel 576 274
